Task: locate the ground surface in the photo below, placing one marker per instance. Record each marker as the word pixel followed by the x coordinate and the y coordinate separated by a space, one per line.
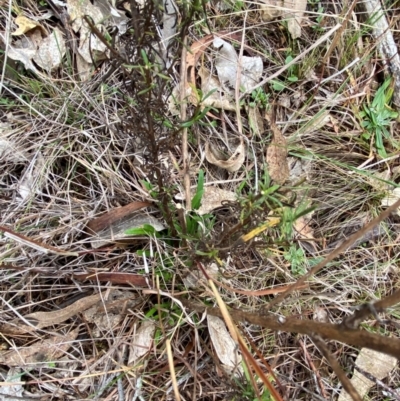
pixel 284 174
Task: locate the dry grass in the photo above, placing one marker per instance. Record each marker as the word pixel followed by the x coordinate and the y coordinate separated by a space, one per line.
pixel 82 149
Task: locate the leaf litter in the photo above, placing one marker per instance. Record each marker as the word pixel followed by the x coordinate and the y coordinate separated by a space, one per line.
pixel 95 173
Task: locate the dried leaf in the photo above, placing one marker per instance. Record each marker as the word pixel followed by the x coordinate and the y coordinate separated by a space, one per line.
pixel 295 17
pixel 194 276
pixel 277 156
pixel 25 25
pixel 193 55
pixel 24 50
pixel 226 63
pixel 219 98
pixel 377 181
pixel 44 351
pixel 90 47
pixel 109 218
pixel 303 229
pixel 107 314
pixel 223 343
pixel 135 280
pixel 256 121
pixel 169 27
pixel 213 198
pixel 112 226
pixel 373 362
pixel 32 181
pixel 51 51
pixel 233 163
pixel 271 9
pixel 391 198
pixel 320 315
pixel 141 341
pixel 11 391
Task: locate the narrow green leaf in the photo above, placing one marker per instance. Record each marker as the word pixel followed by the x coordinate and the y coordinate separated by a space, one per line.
pixel 196 201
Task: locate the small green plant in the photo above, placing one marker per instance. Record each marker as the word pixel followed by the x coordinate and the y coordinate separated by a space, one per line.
pixel 259 98
pixel 247 390
pixel 318 21
pixel 377 116
pixel 292 75
pixel 297 259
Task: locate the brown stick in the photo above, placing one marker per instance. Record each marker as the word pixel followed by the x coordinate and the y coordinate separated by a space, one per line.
pixel 358 338
pixel 347 384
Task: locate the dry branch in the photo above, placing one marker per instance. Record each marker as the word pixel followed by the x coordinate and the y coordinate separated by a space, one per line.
pixel 337 332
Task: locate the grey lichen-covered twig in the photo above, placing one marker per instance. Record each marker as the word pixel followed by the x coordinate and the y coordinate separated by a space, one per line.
pixel 386 44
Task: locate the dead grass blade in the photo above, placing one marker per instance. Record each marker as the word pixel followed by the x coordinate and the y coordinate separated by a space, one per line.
pixel 40 246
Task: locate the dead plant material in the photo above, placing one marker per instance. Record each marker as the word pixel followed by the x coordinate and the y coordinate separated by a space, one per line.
pixel 41 320
pixel 386 44
pixel 108 219
pixel 278 167
pixel 44 351
pixel 40 246
pixel 198 48
pixel 359 234
pixel 358 338
pixel 135 280
pixel 233 163
pixel 347 384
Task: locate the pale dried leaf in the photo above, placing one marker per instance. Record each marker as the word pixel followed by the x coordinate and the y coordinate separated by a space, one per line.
pixel 295 17
pixel 233 163
pixel 51 51
pixel 256 121
pixel 194 276
pixel 226 64
pixel 299 169
pixel 225 347
pixel 32 181
pixel 116 232
pixel 114 17
pixel 24 50
pixel 141 341
pixel 270 9
pixel 107 314
pixel 320 315
pixel 169 27
pixel 219 98
pixel 373 362
pixel 25 25
pixel 10 152
pixel 11 391
pixel 303 229
pixel 213 198
pixel 47 350
pixel 174 99
pixel 84 68
pixel 390 198
pixel 89 45
pixel 277 156
pixel 377 180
